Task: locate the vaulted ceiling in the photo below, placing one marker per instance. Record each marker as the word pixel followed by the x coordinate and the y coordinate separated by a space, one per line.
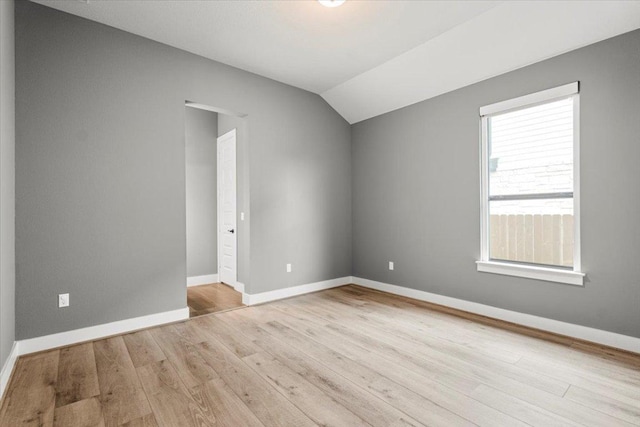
pixel 366 58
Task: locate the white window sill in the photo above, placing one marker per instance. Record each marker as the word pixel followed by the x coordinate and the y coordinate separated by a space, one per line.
pixel 532 272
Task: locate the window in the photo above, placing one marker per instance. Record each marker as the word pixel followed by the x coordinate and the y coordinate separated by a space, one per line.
pixel 530 199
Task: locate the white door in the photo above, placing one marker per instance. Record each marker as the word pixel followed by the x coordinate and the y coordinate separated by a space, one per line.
pixel 227 232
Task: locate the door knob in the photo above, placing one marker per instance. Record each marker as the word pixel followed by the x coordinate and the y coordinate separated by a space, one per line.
pixel 231 231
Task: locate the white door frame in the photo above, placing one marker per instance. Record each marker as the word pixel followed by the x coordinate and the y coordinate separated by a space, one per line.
pixel 221 232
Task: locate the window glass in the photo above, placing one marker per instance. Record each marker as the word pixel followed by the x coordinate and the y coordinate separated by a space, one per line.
pixel 530 184
pixel 532 231
pixel 531 150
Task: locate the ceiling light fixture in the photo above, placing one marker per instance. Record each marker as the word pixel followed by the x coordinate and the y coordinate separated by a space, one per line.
pixel 331 3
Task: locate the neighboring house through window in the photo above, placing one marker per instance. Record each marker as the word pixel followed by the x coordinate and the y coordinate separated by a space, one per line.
pixel 530 186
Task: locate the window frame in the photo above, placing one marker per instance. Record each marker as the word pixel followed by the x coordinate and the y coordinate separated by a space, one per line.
pixel 573 276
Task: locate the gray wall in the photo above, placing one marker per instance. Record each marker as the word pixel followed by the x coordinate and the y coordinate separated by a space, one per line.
pixel 7 180
pixel 201 132
pixel 416 192
pixel 100 183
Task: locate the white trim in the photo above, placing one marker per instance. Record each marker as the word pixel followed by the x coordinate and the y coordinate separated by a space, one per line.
pixel 552 274
pixel 47 342
pixel 532 272
pixel 214 109
pixel 202 280
pixel 531 99
pixel 8 367
pixel 238 286
pixel 577 248
pixel 484 189
pixel 253 299
pixel 598 336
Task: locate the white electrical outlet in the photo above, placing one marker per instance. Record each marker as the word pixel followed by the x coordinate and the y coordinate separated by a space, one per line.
pixel 288 268
pixel 63 300
pixel 390 265
pixel 241 216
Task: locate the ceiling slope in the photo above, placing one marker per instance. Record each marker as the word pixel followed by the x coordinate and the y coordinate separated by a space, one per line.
pixel 301 43
pixel 507 37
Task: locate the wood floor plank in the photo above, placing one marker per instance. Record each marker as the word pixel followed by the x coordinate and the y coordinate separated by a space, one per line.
pixel 367 406
pixel 83 413
pixel 142 348
pixel 604 403
pixel 77 375
pixel 523 330
pixel 213 327
pixel 531 414
pixel 447 351
pixel 365 372
pixel 121 394
pixel 585 416
pixel 395 371
pixel 271 408
pixel 504 335
pixel 311 400
pixel 530 339
pixel 189 331
pixel 345 356
pixel 220 401
pixel 350 340
pixel 357 350
pixel 564 345
pixel 519 389
pixel 476 366
pixel 608 353
pixel 170 399
pixel 461 330
pixel 417 396
pixel 148 420
pixel 211 298
pixel 414 323
pixel 615 389
pixel 30 400
pixel 589 364
pixel 412 319
pixel 566 408
pixel 184 355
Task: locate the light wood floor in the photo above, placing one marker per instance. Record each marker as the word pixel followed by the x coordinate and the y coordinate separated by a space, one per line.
pixel 346 356
pixel 207 299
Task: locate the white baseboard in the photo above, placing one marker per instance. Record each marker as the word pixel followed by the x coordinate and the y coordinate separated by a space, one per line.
pixel 598 336
pixel 253 299
pixel 238 286
pixel 47 342
pixel 202 280
pixel 7 369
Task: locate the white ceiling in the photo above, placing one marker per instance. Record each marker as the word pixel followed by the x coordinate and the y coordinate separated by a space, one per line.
pixel 301 43
pixel 368 57
pixel 507 37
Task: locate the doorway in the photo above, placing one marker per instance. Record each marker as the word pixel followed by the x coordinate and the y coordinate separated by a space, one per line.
pixel 211 211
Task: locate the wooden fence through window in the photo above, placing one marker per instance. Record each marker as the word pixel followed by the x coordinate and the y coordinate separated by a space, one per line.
pixel 542 239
